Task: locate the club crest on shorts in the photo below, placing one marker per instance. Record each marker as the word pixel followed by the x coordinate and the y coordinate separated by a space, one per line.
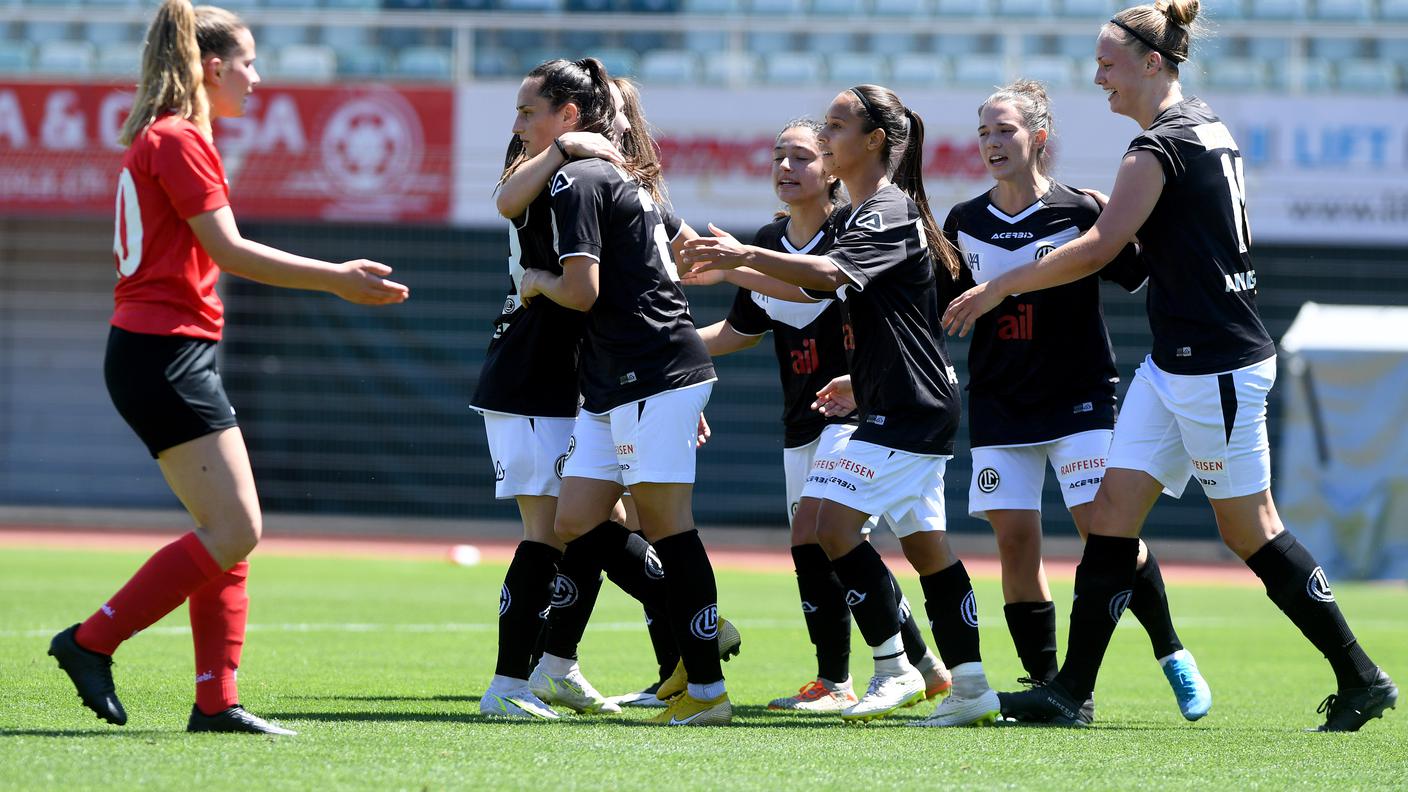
pixel 1318 586
pixel 705 624
pixel 854 598
pixel 562 460
pixel 560 182
pixel 969 609
pixel 988 480
pixel 1118 603
pixel 653 568
pixel 505 600
pixel 564 592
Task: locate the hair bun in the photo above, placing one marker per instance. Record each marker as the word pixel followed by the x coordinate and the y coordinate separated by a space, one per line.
pixel 1179 12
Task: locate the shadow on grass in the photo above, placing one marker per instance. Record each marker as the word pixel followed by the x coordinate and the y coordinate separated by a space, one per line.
pixel 82 733
pixel 470 699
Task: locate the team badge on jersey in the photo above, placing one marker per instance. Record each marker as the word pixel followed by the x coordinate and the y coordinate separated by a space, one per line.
pixel 871 220
pixel 560 182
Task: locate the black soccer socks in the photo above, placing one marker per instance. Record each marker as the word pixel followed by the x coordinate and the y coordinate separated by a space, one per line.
pixel 691 601
pixel 914 646
pixel 637 570
pixel 578 584
pixel 824 608
pixel 1149 604
pixel 1104 584
pixel 1033 628
pixel 523 601
pixel 1300 589
pixel 869 593
pixel 953 612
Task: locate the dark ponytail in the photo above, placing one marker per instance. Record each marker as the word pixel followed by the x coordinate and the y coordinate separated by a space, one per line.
pixel 903 154
pixel 584 83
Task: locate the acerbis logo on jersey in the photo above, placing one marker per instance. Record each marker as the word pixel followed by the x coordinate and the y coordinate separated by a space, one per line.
pixel 564 592
pixel 560 182
pixel 653 568
pixel 1013 235
pixel 705 624
pixel 505 600
pixel 969 609
pixel 988 480
pixel 871 220
pixel 1118 603
pixel 1318 586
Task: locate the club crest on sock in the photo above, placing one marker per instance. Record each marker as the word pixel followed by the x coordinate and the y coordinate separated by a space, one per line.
pixel 505 600
pixel 653 568
pixel 564 592
pixel 969 609
pixel 705 624
pixel 1318 586
pixel 1118 603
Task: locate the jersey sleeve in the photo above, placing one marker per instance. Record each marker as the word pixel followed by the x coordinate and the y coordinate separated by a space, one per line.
pixel 965 275
pixel 1165 149
pixel 1130 270
pixel 580 208
pixel 877 239
pixel 189 171
pixel 746 316
pixel 673 224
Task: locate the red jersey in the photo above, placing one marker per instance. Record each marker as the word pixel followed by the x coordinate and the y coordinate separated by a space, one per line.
pixel 166 280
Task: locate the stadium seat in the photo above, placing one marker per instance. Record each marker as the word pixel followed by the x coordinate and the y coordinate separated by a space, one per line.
pixel 113 3
pixel 1317 76
pixel 369 61
pixel 1266 48
pixel 917 69
pixel 64 58
pixel 38 33
pixel 618 62
pixel 1086 9
pixel 306 63
pixel 1056 71
pixel 1336 49
pixel 669 67
pixel 1393 10
pixel 1360 75
pixel 345 37
pixel 706 42
pixel 1079 46
pixel 841 8
pixel 653 6
pixel 1343 10
pixel 592 6
pixel 892 43
pixel 648 40
pixel 290 5
pixel 490 62
pixel 100 33
pixel 531 6
pixel 775 7
pixel 1237 74
pixel 793 68
pixel 952 44
pixel 961 8
pixel 901 8
pixel 1226 9
pixel 830 43
pixel 581 43
pixel 711 7
pixel 1277 9
pixel 122 58
pixel 1034 9
pixel 424 63
pixel 858 68
pixel 766 41
pixel 280 36
pixel 730 68
pixel 1394 50
pixel 979 71
pixel 352 5
pixel 16 57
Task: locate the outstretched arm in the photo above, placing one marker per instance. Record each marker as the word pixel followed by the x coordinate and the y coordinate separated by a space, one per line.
pixel 722 252
pixel 358 281
pixel 721 339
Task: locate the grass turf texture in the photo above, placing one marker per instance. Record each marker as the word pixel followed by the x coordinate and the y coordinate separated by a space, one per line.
pixel 379 665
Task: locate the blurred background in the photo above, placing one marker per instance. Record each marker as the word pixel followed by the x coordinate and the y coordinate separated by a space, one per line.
pixel 379 132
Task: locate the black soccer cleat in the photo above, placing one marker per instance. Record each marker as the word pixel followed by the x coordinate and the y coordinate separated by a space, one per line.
pixel 91 673
pixel 235 719
pixel 1048 704
pixel 1348 710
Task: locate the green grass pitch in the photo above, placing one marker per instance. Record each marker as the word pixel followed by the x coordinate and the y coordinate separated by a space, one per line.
pixel 378 663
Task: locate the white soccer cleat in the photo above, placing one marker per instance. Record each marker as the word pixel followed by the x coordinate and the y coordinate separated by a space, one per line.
pixel 571 690
pixel 818 695
pixel 886 694
pixel 982 710
pixel 519 703
pixel 642 698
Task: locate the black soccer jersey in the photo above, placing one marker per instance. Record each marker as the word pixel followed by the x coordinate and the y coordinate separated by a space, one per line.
pixel 531 365
pixel 1202 291
pixel 809 339
pixel 640 337
pixel 1041 366
pixel 906 389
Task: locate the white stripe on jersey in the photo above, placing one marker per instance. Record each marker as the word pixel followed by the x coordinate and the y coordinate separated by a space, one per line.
pixel 794 314
pixel 987 261
pixel 1215 136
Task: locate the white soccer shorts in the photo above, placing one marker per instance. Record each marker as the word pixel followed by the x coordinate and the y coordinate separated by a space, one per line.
pixel 906 489
pixel 528 453
pixel 1011 477
pixel 1208 426
pixel 648 441
pixel 807 468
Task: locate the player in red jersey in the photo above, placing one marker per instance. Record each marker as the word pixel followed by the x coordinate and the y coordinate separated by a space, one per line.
pixel 174 235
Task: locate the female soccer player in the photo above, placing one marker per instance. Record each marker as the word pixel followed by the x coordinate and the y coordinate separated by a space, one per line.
pixel 1197 405
pixel 1042 382
pixel 175 235
pixel 810 341
pixel 645 380
pixel 883 266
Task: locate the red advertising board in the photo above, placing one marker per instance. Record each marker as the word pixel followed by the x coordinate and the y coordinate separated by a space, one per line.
pixel 334 153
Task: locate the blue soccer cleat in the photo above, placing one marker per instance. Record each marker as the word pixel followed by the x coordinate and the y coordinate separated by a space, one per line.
pixel 1192 691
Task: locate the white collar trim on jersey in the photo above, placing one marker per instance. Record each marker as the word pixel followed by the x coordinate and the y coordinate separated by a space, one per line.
pixel 807 248
pixel 1017 218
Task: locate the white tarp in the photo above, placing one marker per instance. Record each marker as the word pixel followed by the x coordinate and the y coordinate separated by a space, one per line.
pixel 1342 480
pixel 1323 169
